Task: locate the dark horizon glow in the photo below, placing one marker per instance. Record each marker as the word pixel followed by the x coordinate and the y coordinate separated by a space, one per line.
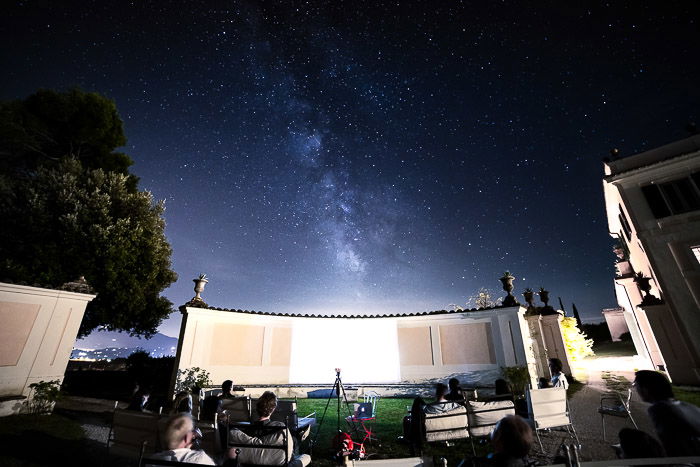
pixel 355 157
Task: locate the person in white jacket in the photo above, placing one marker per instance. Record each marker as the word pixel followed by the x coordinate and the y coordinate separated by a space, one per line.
pixel 558 378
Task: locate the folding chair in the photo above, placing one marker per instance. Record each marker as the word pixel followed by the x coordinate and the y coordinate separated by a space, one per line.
pixel 150 461
pixel 365 414
pixel 612 403
pixel 130 430
pixel 212 439
pixel 548 408
pixel 483 417
pixel 237 409
pixel 258 445
pixel 286 412
pixel 445 425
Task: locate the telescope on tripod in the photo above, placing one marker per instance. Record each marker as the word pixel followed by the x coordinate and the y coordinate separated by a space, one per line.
pixel 337 390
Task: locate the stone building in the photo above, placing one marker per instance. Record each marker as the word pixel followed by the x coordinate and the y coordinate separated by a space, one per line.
pixel 652 201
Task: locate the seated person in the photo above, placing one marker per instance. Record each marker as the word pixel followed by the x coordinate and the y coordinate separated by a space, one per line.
pixel 441 404
pixel 183 403
pixel 265 406
pixel 635 444
pixel 677 423
pixel 543 383
pixel 558 378
pixel 139 400
pixel 511 440
pixel 502 391
pixel 455 393
pixel 502 388
pixel 210 406
pixel 226 389
pixel 180 437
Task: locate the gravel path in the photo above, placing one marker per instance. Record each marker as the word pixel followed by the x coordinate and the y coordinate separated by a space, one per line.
pixel 584 409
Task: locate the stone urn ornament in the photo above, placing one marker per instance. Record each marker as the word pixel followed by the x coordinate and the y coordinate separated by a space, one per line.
pixel 199 284
pixel 619 252
pixel 507 281
pixel 544 296
pixel 644 285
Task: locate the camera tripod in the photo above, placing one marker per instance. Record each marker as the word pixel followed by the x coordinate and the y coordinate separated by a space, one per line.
pixel 339 391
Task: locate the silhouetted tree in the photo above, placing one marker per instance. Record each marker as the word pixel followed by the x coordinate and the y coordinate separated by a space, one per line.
pixel 70 208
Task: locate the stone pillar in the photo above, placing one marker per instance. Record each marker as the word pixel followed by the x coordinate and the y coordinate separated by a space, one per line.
pixel 615 319
pixel 539 348
pixel 676 360
pixel 554 340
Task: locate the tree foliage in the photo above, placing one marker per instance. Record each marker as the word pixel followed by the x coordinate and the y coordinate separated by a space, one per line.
pixel 71 209
pixel 577 343
pixel 49 125
pixel 483 298
pixel 190 379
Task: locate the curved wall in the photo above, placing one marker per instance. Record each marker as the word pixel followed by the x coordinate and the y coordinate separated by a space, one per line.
pixel 251 348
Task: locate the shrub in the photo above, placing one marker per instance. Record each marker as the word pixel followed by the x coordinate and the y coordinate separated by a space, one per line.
pixel 42 396
pixel 518 377
pixel 578 346
pixel 190 378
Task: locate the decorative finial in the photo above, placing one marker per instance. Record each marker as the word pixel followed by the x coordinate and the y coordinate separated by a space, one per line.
pixel 79 285
pixel 644 285
pixel 507 281
pixel 199 284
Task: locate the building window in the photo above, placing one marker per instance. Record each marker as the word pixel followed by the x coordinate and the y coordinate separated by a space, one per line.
pixel 625 223
pixel 674 197
pixel 656 201
pixel 696 252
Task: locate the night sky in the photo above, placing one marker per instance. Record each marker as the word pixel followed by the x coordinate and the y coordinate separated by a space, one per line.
pixel 353 157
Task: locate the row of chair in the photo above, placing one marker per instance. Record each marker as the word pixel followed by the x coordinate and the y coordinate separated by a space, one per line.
pixel 547 409
pixel 242 409
pixel 251 448
pixel 130 429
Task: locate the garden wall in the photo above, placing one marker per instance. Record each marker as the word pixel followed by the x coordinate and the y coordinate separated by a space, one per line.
pixel 37 332
pixel 258 348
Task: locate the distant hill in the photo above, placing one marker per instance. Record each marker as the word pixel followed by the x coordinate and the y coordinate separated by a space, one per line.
pixel 109 345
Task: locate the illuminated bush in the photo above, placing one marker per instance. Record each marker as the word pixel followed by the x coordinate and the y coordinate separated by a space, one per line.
pixel 577 343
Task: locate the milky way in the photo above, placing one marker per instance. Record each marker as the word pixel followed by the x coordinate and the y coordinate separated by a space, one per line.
pixel 362 157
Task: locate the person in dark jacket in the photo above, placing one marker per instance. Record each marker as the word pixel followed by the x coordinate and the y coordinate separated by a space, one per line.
pixel 677 424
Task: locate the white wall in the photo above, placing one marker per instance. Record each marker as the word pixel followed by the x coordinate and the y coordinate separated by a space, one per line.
pixel 39 328
pixel 275 349
pixel 615 319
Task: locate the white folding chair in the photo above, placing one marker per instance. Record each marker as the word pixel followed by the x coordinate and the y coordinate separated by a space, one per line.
pixel 445 425
pixel 483 417
pixel 612 403
pixel 365 419
pixel 548 408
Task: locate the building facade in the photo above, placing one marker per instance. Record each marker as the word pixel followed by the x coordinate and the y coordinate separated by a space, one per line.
pixel 653 209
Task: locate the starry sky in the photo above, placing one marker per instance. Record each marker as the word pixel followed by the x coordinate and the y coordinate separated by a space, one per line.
pixel 368 156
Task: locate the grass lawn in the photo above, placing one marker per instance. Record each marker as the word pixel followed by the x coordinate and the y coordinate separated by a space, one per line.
pixel 614 349
pixel 388 426
pixel 686 395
